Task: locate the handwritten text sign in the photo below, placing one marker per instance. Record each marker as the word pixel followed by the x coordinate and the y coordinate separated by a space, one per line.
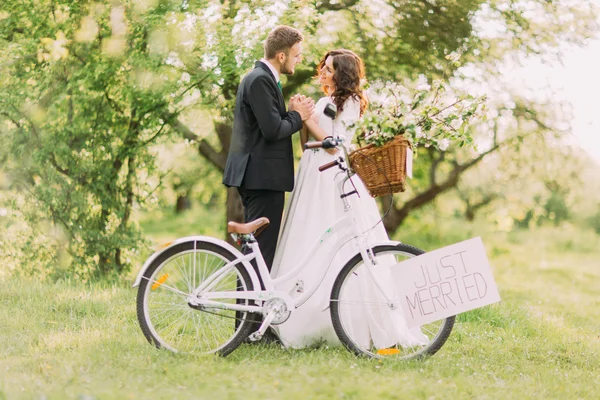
pixel 445 282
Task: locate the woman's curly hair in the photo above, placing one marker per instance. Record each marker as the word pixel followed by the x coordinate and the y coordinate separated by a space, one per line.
pixel 349 72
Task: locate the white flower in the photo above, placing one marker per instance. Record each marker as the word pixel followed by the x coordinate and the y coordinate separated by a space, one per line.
pixel 422 83
pixel 418 132
pixel 443 144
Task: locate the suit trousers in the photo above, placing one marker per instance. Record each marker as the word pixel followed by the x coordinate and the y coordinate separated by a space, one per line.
pixel 264 203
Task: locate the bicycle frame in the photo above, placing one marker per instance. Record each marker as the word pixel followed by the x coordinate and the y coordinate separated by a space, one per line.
pixel 346 229
pixel 346 233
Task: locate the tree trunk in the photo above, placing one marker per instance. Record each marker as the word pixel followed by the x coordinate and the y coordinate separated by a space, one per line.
pixel 470 214
pixel 397 215
pixel 235 209
pixel 183 203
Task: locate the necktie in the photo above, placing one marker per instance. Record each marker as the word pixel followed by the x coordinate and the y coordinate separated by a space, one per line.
pixel 279 85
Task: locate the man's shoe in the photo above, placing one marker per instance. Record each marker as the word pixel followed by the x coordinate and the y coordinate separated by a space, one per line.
pixel 268 338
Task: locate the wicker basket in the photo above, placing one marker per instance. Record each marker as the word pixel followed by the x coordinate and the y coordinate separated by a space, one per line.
pixel 382 169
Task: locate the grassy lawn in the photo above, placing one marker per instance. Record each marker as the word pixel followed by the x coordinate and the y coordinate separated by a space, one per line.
pixel 71 340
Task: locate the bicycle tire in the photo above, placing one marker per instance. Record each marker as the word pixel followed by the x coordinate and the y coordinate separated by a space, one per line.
pixel 343 329
pixel 151 283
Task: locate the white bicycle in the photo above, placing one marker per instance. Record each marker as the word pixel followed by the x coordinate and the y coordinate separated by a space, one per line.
pixel 202 295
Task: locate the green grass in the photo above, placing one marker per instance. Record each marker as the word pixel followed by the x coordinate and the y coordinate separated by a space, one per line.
pixel 72 340
pixel 164 225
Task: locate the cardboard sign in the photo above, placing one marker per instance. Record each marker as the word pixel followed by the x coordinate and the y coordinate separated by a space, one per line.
pixel 409 162
pixel 445 282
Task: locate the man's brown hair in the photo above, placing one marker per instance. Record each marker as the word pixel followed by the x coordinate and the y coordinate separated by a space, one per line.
pixel 281 39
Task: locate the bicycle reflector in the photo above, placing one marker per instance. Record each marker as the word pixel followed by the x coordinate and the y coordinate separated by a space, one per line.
pixel 160 281
pixel 387 352
pixel 164 245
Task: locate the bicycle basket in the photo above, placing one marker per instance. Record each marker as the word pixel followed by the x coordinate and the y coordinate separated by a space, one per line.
pixel 382 169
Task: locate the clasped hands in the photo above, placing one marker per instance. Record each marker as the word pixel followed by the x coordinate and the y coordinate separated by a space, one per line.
pixel 305 106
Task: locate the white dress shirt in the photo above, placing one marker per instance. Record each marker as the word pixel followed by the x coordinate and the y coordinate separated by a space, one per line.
pixel 271 67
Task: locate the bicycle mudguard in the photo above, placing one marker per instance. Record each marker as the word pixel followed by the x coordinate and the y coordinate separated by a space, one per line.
pixel 376 244
pixel 208 239
pixel 388 243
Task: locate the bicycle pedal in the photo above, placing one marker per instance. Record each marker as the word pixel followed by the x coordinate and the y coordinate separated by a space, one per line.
pixel 254 337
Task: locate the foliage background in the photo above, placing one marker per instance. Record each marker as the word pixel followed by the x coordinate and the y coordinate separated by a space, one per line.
pixel 115 112
pixel 115 118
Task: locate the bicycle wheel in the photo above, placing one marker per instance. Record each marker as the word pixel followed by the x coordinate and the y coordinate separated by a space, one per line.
pixel 354 317
pixel 166 318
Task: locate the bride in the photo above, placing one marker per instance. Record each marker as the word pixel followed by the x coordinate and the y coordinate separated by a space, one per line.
pixel 314 206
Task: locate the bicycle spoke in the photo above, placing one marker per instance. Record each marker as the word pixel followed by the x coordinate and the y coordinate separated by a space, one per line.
pixel 370 327
pixel 172 322
pixel 185 279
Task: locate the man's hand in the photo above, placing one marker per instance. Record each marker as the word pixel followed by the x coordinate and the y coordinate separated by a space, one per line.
pixel 293 102
pixel 305 106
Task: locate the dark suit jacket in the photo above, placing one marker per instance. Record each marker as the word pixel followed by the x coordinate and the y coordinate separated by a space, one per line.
pixel 260 153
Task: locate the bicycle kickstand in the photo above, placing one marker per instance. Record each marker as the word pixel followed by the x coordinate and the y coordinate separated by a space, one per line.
pixel 263 328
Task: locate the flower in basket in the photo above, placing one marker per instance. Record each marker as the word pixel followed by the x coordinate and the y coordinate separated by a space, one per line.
pixel 426 115
pixel 400 117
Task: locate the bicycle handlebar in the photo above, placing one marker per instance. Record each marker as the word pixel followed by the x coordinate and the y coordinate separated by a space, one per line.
pixel 328 165
pixel 328 143
pixel 313 145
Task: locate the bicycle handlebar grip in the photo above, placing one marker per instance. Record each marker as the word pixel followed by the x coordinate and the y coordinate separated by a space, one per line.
pixel 329 143
pixel 328 165
pixel 313 145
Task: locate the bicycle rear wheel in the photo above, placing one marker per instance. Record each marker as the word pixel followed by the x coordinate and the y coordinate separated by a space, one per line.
pixel 166 318
pixel 355 314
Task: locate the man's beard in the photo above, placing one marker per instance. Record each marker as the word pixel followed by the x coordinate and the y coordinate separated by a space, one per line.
pixel 287 70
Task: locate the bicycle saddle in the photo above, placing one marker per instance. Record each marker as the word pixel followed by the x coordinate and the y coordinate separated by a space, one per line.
pixel 256 226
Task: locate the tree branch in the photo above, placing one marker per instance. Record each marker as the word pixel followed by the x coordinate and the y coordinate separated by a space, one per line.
pixel 298 79
pixel 224 131
pixel 11 119
pixel 472 208
pixel 435 162
pixel 396 215
pixel 131 164
pixel 217 159
pixel 147 142
pixel 180 127
pixel 328 5
pixel 113 103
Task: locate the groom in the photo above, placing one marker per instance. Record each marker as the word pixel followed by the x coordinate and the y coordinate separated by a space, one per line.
pixel 260 163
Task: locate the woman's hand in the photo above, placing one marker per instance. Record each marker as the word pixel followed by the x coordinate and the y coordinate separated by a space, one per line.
pixel 318 133
pixel 305 106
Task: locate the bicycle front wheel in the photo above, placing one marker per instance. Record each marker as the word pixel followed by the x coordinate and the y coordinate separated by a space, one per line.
pixel 367 325
pixel 166 318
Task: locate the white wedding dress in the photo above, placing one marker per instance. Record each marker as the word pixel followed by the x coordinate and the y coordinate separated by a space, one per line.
pixel 313 207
